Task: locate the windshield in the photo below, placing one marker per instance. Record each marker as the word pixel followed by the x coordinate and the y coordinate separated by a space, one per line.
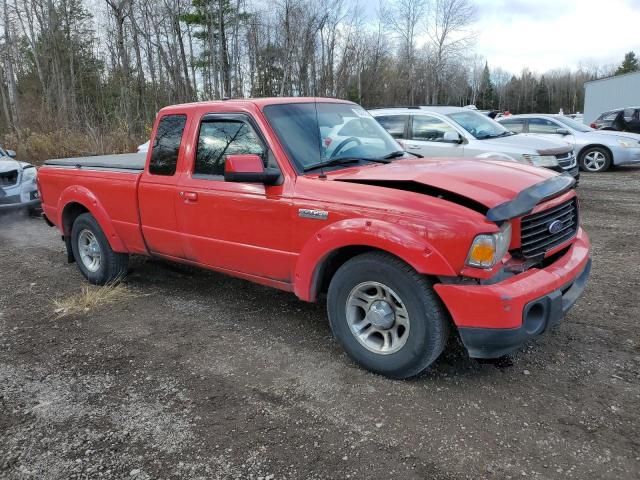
pixel 574 125
pixel 335 131
pixel 478 125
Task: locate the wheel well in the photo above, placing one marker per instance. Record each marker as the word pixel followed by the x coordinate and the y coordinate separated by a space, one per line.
pixel 595 145
pixel 71 211
pixel 332 262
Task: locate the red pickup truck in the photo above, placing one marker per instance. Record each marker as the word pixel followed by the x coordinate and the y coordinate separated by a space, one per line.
pixel 312 196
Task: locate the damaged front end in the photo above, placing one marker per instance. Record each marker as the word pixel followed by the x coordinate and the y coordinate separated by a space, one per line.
pixel 18 187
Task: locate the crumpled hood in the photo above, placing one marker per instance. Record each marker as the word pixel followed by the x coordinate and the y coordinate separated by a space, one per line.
pixel 490 183
pixel 523 141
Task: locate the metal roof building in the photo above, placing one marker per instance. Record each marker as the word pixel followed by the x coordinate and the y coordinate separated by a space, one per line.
pixel 610 93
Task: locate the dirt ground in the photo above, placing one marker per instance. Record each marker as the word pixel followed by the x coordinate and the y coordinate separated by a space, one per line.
pixel 203 376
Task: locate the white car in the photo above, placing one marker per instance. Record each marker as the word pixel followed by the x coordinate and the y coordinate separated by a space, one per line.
pixel 597 150
pixel 18 188
pixel 464 132
pixel 144 148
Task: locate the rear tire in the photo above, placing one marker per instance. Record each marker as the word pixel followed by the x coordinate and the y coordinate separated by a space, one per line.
pixel 93 254
pixel 595 160
pixel 386 316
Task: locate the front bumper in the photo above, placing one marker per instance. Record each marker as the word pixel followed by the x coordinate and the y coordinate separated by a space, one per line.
pixel 496 319
pixel 625 156
pixel 31 204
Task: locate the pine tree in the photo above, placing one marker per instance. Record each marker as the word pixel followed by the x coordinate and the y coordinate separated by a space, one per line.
pixel 487 93
pixel 629 65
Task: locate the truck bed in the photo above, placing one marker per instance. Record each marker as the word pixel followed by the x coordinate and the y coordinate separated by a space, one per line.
pixel 127 161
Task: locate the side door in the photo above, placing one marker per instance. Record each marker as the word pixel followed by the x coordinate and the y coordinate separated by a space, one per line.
pixel 158 188
pixel 427 137
pixel 234 226
pixel 545 127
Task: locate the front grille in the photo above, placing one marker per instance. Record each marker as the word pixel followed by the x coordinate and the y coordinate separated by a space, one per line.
pixel 8 179
pixel 537 236
pixel 567 160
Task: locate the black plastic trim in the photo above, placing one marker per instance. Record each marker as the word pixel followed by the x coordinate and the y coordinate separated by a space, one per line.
pixel 528 198
pixel 550 310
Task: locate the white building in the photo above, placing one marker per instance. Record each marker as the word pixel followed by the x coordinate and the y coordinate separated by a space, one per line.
pixel 609 94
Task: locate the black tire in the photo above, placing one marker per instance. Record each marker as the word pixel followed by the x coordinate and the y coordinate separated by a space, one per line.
pixel 113 266
pixel 429 322
pixel 596 151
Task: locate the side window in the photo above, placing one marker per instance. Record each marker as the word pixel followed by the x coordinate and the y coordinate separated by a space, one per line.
pixel 394 124
pixel 429 129
pixel 542 125
pixel 219 138
pixel 610 117
pixel 629 114
pixel 513 125
pixel 166 145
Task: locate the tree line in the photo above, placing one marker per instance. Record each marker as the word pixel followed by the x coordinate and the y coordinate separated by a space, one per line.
pixel 90 75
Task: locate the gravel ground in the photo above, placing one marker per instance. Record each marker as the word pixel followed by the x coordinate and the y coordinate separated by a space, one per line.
pixel 203 376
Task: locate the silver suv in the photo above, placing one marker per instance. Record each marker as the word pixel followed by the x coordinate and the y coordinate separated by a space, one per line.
pixel 462 132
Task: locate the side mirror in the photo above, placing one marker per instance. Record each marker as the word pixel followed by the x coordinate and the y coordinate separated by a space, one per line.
pixel 249 169
pixel 562 131
pixel 452 137
pixel 11 153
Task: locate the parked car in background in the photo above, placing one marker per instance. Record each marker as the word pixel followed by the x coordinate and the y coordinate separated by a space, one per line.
pixel 18 189
pixel 622 120
pixel 464 132
pixel 596 150
pixel 144 148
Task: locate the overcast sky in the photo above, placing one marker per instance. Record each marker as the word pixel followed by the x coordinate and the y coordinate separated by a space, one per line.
pixel 548 34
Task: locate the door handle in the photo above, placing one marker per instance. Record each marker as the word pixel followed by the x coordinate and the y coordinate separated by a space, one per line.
pixel 189 196
pixel 412 147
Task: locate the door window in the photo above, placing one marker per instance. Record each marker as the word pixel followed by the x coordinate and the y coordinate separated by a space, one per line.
pixel 219 138
pixel 429 129
pixel 166 145
pixel 542 125
pixel 516 126
pixel 394 124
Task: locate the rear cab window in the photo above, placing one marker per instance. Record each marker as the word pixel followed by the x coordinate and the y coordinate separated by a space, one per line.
pixel 166 145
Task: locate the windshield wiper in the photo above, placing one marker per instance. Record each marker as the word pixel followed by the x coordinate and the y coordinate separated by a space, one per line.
pixel 503 134
pixel 400 153
pixel 343 161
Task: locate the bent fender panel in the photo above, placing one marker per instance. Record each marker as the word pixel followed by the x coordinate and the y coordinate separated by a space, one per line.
pixel 409 246
pixel 86 198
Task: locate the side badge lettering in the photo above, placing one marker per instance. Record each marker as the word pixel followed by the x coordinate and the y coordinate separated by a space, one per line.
pixel 315 214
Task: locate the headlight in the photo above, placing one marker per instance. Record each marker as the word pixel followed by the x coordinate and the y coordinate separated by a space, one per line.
pixel 488 249
pixel 628 144
pixel 541 160
pixel 29 174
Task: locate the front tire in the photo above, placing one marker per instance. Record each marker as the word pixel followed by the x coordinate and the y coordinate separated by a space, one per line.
pixel 386 316
pixel 93 254
pixel 595 160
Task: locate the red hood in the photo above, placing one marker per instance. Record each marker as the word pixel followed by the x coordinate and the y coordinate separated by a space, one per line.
pixel 489 183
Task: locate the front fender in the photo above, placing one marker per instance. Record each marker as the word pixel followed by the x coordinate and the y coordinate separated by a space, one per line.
pixel 395 239
pixel 86 198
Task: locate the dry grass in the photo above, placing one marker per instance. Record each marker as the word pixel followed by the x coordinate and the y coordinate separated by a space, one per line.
pixel 91 298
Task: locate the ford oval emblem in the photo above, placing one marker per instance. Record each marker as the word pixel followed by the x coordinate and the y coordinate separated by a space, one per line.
pixel 555 227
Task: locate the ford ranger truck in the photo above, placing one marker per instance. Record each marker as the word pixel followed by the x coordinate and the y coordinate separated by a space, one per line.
pixel 405 249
